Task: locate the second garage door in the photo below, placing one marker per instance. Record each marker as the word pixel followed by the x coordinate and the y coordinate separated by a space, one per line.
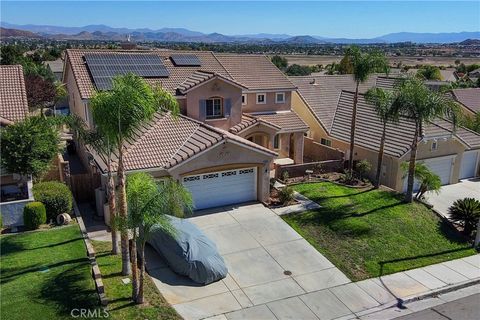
pixel 440 166
pixel 221 188
pixel 469 164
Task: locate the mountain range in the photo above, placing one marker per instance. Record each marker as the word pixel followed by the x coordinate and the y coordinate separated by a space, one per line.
pixel 103 32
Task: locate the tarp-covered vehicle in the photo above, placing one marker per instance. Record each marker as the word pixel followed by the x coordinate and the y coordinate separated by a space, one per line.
pixel 189 252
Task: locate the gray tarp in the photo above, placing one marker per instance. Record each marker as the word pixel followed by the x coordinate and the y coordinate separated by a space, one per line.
pixel 189 252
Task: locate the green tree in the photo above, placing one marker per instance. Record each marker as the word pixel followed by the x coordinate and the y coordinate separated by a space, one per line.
pixel 118 113
pixel 466 212
pixel 28 147
pixel 429 181
pixel 363 65
pixel 149 203
pixel 382 101
pixel 415 101
pixel 471 122
pixel 429 72
pixel 280 62
pixel 345 66
pixel 298 70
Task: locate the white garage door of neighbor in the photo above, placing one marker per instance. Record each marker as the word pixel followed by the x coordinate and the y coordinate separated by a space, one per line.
pixel 442 167
pixel 469 163
pixel 221 188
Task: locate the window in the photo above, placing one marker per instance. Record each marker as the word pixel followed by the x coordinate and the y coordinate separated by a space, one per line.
pixel 326 142
pixel 261 98
pixel 434 145
pixel 244 99
pixel 276 141
pixel 280 97
pixel 85 107
pixel 214 108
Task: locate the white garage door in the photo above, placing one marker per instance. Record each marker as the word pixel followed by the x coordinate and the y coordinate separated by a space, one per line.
pixel 220 188
pixel 469 163
pixel 440 166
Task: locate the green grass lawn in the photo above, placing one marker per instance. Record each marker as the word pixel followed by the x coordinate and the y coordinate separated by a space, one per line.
pixel 368 233
pixel 120 304
pixel 45 274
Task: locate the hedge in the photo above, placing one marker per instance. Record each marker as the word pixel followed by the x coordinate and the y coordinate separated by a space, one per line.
pixel 34 214
pixel 56 197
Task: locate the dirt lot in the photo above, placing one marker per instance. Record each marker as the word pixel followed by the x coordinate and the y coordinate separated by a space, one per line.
pixel 411 61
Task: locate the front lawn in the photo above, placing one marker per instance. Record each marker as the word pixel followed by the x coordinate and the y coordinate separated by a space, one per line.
pixel 120 304
pixel 368 233
pixel 45 274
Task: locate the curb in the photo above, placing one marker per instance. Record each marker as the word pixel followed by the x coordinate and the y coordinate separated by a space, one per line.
pixel 96 274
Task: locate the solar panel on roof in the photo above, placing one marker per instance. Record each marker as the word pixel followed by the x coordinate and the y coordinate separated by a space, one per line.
pixel 104 66
pixel 186 60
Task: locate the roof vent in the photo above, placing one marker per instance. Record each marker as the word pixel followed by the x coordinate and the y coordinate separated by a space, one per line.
pixel 314 81
pixel 128 44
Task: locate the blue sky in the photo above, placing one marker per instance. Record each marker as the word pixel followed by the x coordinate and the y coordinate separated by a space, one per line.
pixel 353 19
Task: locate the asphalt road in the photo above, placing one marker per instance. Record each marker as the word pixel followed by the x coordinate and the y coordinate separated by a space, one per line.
pixel 467 308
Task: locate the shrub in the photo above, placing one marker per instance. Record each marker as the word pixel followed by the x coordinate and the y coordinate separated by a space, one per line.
pixel 285 195
pixel 56 197
pixel 362 168
pixel 34 214
pixel 285 176
pixel 466 212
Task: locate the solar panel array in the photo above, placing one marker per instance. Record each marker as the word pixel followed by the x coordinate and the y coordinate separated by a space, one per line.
pixel 186 60
pixel 104 66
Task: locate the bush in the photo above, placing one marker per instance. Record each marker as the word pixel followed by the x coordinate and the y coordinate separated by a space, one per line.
pixel 34 214
pixel 56 197
pixel 362 168
pixel 285 195
pixel 466 212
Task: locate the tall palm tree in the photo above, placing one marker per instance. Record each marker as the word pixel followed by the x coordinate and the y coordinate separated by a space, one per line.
pixel 149 203
pixel 118 113
pixel 382 101
pixel 363 65
pixel 415 101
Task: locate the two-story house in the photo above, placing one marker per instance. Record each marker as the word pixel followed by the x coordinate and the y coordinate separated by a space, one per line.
pixel 203 149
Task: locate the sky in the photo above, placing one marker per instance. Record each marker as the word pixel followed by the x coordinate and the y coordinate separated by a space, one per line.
pixel 354 19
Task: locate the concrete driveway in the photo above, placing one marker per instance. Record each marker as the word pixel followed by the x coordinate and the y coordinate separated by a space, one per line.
pixel 258 248
pixel 448 194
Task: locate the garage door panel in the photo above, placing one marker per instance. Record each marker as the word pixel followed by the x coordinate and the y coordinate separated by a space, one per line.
pixel 222 187
pixel 442 167
pixel 468 167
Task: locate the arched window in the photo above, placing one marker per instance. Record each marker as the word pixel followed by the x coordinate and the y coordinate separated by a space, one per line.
pixel 214 108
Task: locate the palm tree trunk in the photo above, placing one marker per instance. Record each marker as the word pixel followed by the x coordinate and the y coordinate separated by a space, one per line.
pixel 122 198
pixel 411 166
pixel 352 128
pixel 112 207
pixel 380 156
pixel 140 297
pixel 134 267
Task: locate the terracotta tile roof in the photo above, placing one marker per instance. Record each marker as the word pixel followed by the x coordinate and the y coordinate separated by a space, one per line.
pixel 199 77
pixel 166 142
pixel 321 93
pixel 13 96
pixel 286 121
pixel 256 72
pixel 469 97
pixel 398 137
pixel 177 75
pixel 247 122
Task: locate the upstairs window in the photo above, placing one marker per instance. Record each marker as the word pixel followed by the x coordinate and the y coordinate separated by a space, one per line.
pixel 434 145
pixel 276 141
pixel 244 99
pixel 326 142
pixel 261 98
pixel 214 108
pixel 280 97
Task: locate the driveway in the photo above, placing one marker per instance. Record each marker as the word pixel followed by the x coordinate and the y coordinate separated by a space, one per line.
pixel 448 194
pixel 273 273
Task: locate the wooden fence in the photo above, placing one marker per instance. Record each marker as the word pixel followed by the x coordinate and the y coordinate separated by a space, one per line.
pixel 314 151
pixel 83 186
pixel 298 170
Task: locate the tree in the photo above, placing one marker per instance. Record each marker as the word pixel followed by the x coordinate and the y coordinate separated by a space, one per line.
pixel 429 72
pixel 363 65
pixel 298 70
pixel 471 122
pixel 429 181
pixel 149 203
pixel 382 101
pixel 415 101
pixel 280 62
pixel 118 113
pixel 345 66
pixel 28 147
pixel 41 93
pixel 466 212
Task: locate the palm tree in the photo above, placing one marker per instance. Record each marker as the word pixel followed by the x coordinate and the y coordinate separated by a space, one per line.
pixel 149 203
pixel 363 65
pixel 382 101
pixel 429 181
pixel 118 113
pixel 415 101
pixel 467 212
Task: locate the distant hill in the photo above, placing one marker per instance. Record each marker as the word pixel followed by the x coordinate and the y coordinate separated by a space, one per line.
pixel 15 33
pixel 470 42
pixel 103 32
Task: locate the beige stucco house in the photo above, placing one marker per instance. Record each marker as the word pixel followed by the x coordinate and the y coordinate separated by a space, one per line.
pixel 236 120
pixel 469 99
pixel 325 103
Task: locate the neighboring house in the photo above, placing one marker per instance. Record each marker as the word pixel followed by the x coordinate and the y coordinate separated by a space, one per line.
pixel 56 67
pixel 16 190
pixel 213 149
pixel 326 105
pixel 474 75
pixel 469 98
